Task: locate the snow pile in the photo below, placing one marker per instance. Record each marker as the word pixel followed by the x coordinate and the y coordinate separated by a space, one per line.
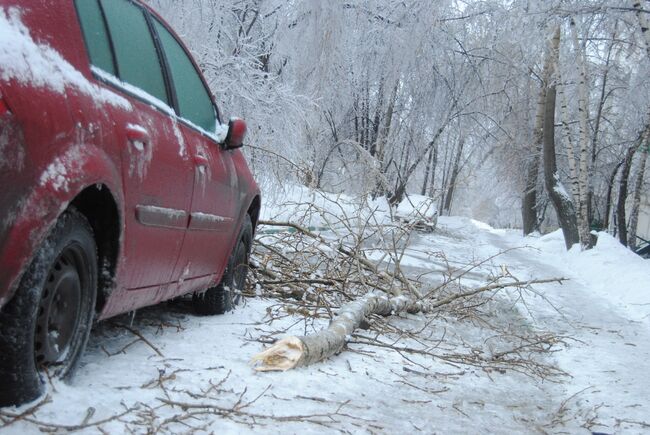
pixel 39 65
pixel 321 210
pixel 609 269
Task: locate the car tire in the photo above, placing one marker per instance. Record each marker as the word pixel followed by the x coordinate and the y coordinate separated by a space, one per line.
pixel 47 323
pixel 227 294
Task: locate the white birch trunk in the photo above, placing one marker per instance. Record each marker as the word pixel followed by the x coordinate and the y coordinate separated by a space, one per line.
pixel 643 22
pixel 583 119
pixel 562 201
pixel 573 168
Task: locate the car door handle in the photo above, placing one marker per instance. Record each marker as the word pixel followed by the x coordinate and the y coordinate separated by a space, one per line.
pixel 137 134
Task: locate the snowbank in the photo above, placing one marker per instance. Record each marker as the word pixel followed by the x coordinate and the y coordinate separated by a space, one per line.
pixel 609 269
pixel 319 209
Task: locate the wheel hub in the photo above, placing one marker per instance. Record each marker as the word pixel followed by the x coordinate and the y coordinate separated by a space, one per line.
pixel 59 310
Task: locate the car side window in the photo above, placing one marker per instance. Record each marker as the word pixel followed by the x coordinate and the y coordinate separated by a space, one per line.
pixel 137 59
pixel 194 102
pixel 95 35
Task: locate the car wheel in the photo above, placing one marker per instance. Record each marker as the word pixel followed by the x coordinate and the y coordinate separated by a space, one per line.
pixel 225 296
pixel 46 325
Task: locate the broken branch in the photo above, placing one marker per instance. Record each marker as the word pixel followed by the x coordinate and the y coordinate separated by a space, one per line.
pixel 292 352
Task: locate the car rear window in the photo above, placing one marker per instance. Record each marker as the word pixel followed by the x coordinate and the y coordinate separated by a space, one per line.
pixel 95 35
pixel 137 59
pixel 194 102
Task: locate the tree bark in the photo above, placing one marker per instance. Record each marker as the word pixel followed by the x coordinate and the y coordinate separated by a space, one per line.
pixel 529 204
pixel 529 201
pixel 636 203
pixel 583 121
pixel 376 121
pixel 571 157
pixel 364 115
pixel 454 177
pixel 432 183
pixel 384 131
pixel 621 220
pixel 356 110
pixel 610 187
pixel 559 197
pixel 427 173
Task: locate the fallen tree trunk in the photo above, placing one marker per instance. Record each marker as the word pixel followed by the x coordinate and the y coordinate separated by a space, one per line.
pixel 292 352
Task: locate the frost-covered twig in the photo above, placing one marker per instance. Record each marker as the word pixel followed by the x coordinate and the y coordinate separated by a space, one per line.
pixel 386 275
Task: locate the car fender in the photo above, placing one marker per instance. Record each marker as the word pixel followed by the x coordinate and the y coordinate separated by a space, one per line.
pixel 75 168
pixel 248 191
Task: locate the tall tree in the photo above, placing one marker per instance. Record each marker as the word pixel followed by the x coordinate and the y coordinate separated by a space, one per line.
pixel 561 200
pixel 584 172
pixel 636 202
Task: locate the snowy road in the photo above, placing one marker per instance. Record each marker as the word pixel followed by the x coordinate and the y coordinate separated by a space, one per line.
pixel 194 377
pixel 608 357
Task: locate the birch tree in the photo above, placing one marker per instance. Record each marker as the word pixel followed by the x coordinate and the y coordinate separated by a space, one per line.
pixel 562 202
pixel 583 173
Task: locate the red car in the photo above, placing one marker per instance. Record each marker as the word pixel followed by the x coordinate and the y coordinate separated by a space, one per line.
pixel 119 185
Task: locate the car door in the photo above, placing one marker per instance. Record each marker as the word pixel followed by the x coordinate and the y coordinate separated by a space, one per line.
pixel 157 170
pixel 214 214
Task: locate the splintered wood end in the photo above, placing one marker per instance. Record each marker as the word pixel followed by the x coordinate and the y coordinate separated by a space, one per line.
pixel 284 355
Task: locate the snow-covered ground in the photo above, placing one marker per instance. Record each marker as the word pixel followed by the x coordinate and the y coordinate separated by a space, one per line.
pixel 193 375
